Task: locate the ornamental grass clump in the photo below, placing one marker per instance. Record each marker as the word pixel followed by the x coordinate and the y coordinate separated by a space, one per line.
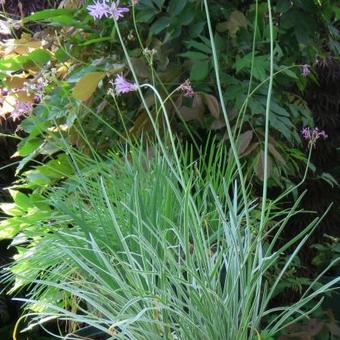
pixel 151 257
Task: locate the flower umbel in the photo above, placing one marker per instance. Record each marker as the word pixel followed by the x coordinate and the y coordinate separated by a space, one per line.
pixel 186 89
pixel 99 9
pixel 4 92
pixel 305 70
pixel 116 11
pixel 20 109
pixel 313 134
pixel 123 86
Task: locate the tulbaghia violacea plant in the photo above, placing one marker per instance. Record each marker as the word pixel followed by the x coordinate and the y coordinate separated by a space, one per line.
pixel 187 89
pixel 305 70
pixel 312 135
pixel 21 109
pixel 123 86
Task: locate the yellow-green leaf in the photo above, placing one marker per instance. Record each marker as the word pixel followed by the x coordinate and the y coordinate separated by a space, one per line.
pixel 11 209
pixel 235 22
pixel 87 85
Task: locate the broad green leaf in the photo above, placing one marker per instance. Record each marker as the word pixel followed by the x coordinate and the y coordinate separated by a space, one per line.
pixel 199 71
pixel 12 63
pixel 194 55
pixel 158 3
pixel 260 65
pixel 64 20
pixel 199 46
pixel 176 7
pixel 39 56
pixel 34 127
pixel 197 28
pixel 145 16
pixel 337 13
pixel 8 229
pixel 28 145
pixel 34 177
pixel 290 74
pixel 186 17
pixel 95 41
pixel 160 25
pixel 48 14
pixel 39 201
pixel 21 200
pixel 56 168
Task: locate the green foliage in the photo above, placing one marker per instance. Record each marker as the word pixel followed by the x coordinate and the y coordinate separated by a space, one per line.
pixel 167 243
pixel 326 252
pixel 177 32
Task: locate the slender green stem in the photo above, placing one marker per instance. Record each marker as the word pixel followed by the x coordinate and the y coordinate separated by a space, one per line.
pixel 178 172
pixel 160 81
pixel 10 136
pixel 240 117
pixel 172 140
pixel 266 133
pixel 294 187
pixel 244 104
pixel 165 100
pixel 225 115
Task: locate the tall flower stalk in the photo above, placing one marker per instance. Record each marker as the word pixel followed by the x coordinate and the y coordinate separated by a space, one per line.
pixel 224 111
pixel 267 115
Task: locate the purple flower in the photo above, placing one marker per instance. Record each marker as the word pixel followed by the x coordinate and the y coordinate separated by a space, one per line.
pixel 186 89
pixel 305 70
pixel 124 86
pixel 99 9
pixel 4 92
pixel 20 109
pixel 116 11
pixel 40 85
pixel 37 99
pixel 313 134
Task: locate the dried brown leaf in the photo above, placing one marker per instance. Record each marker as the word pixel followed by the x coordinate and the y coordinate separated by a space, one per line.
pixel 244 141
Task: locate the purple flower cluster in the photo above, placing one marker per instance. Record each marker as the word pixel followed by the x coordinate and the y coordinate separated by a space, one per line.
pixel 4 92
pixel 313 134
pixel 186 89
pixel 123 86
pixel 305 70
pixel 21 109
pixel 102 8
pixel 33 88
